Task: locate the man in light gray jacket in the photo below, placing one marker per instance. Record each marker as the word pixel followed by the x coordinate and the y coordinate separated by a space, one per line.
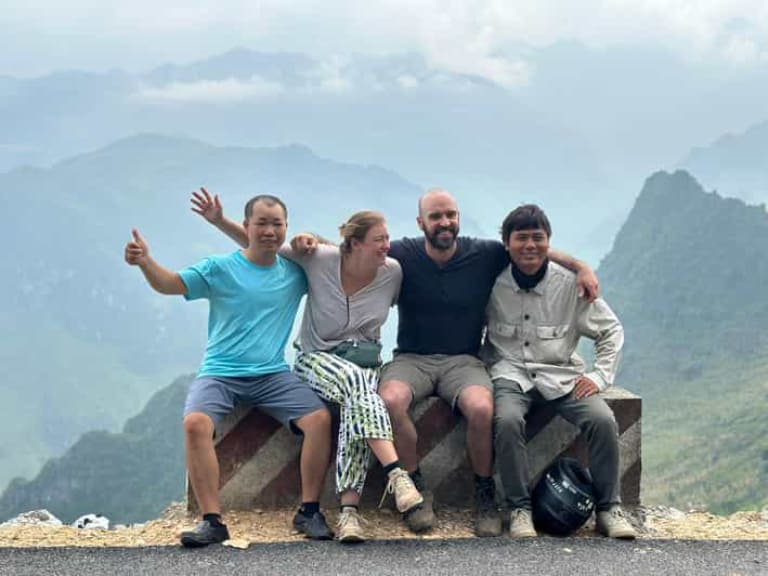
pixel 535 318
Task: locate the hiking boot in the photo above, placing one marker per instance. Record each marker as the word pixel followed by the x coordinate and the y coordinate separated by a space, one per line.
pixel 421 517
pixel 406 495
pixel 348 527
pixel 203 534
pixel 521 524
pixel 487 520
pixel 614 524
pixel 314 527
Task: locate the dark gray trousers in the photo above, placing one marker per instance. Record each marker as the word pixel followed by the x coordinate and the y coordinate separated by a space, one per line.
pixel 592 416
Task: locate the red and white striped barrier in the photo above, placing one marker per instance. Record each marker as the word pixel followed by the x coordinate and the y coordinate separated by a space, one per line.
pixel 258 458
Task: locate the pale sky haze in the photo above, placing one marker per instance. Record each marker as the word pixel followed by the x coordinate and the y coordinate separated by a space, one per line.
pixel 487 38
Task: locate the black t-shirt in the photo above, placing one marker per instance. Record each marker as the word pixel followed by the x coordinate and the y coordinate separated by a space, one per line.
pixel 441 309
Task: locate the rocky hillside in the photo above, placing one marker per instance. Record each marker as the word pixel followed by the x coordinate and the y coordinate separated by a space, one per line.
pixel 687 276
pixel 129 476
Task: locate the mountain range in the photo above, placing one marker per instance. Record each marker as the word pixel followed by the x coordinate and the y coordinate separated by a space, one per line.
pixel 85 341
pixel 685 276
pixel 563 148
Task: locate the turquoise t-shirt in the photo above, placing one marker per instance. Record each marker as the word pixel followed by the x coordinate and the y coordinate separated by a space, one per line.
pixel 252 309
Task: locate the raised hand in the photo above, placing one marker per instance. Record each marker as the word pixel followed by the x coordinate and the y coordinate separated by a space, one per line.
pixel 136 251
pixel 209 207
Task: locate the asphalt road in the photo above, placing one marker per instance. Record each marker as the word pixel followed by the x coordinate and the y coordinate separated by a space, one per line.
pixel 539 557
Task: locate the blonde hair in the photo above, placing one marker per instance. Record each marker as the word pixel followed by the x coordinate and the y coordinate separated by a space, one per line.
pixel 357 227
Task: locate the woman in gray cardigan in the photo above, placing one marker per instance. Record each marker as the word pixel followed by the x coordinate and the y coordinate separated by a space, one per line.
pixel 351 289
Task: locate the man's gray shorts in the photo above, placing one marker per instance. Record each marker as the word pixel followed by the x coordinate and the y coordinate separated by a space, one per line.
pixel 282 395
pixel 445 375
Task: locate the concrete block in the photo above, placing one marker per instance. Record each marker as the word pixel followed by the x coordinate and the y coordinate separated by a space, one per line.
pixel 259 458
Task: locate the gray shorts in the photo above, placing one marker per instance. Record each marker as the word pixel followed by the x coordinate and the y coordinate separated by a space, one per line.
pixel 282 395
pixel 442 374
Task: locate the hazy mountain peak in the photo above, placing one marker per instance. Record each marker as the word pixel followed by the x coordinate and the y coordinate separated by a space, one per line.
pixel 687 272
pixel 737 164
pixel 675 197
pixel 239 62
pixel 139 147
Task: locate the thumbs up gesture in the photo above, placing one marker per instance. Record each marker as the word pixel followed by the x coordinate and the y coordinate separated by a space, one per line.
pixel 136 251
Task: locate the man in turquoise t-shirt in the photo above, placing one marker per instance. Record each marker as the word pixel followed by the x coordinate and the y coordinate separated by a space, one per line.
pixel 253 294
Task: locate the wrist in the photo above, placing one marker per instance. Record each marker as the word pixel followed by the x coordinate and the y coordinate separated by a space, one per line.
pixel 146 263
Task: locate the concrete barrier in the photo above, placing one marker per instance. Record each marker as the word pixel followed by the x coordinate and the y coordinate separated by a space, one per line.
pixel 259 458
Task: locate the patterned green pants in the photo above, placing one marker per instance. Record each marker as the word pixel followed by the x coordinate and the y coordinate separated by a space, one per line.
pixel 363 413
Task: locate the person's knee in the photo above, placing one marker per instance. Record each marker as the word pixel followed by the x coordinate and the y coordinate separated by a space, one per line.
pixel 509 425
pixel 317 422
pixel 397 398
pixel 476 404
pixel 602 421
pixel 198 426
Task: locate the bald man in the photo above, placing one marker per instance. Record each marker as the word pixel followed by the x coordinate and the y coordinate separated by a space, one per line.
pixel 447 280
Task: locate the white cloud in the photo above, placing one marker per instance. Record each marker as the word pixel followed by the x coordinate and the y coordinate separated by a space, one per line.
pixel 406 81
pixel 486 38
pixel 230 90
pixel 331 75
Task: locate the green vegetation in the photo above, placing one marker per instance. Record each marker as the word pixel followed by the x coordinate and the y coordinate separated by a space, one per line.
pixel 74 385
pixel 128 477
pixel 687 277
pixel 706 444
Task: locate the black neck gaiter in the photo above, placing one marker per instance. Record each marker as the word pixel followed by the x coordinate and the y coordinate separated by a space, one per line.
pixel 526 281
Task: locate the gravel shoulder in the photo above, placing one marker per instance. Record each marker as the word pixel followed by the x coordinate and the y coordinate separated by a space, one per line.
pixel 267 526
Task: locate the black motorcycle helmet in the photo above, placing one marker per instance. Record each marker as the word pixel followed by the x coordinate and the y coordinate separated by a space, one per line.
pixel 563 500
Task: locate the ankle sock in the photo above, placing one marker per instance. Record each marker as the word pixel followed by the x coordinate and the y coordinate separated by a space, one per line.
pixel 389 467
pixel 484 481
pixel 213 519
pixel 309 509
pixel 350 507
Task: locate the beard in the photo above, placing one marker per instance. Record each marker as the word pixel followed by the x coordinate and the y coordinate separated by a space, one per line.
pixel 439 242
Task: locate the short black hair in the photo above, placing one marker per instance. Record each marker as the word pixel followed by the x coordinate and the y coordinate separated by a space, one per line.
pixel 269 200
pixel 525 217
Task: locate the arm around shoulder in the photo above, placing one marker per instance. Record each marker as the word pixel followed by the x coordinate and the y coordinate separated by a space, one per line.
pixel 588 285
pixel 397 278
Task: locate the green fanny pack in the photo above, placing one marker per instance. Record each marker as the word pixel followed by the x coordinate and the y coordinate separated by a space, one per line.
pixel 364 354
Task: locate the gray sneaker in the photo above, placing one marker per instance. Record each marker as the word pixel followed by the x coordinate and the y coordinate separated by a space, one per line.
pixel 487 519
pixel 421 518
pixel 521 524
pixel 349 526
pixel 614 524
pixel 203 534
pixel 314 527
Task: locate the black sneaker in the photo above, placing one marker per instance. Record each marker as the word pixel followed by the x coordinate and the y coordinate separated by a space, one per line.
pixel 487 519
pixel 314 527
pixel 203 534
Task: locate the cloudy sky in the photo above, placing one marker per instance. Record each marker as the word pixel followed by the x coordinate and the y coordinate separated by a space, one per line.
pixel 490 38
